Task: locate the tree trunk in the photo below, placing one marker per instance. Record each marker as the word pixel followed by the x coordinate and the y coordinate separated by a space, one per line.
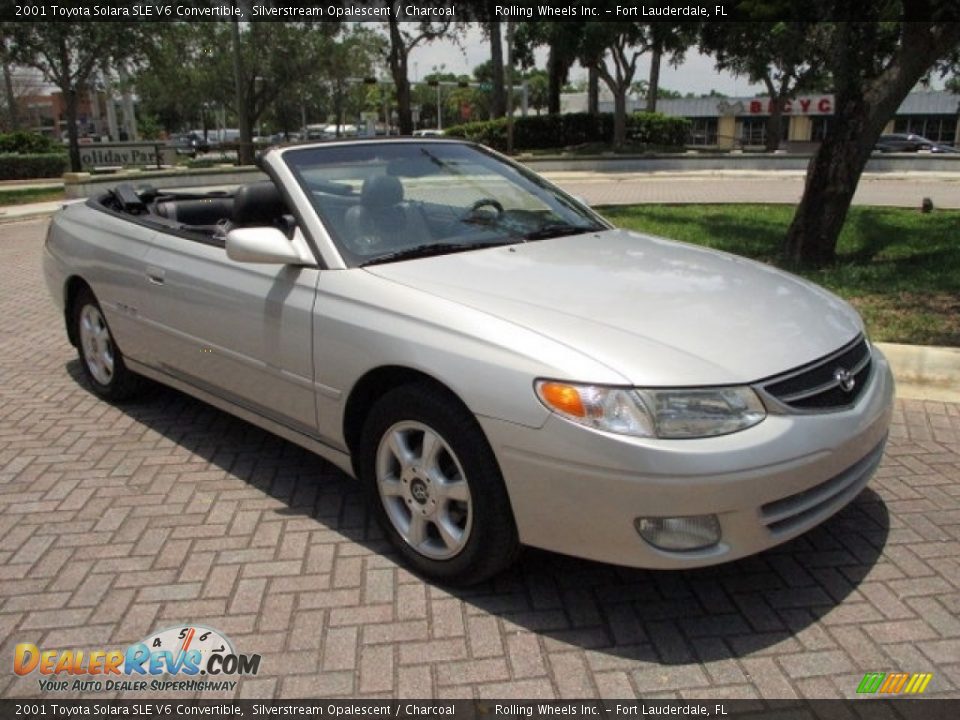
pixel 404 110
pixel 12 113
pixel 653 88
pixel 774 128
pixel 593 91
pixel 70 102
pixel 774 125
pixel 832 178
pixel 498 99
pixel 245 141
pixel 619 117
pixel 338 106
pixel 397 59
pixel 65 81
pixel 555 76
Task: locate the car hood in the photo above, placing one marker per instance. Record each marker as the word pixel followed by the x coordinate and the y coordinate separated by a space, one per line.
pixel 658 312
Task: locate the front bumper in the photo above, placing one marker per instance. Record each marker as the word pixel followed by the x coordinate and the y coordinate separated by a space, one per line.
pixel 577 491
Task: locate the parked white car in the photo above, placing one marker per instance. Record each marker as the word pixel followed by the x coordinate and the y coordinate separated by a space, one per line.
pixel 493 360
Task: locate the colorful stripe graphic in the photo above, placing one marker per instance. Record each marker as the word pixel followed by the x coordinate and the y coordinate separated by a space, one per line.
pixel 894 683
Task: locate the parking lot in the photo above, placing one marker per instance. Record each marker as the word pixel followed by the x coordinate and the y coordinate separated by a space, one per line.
pixel 118 521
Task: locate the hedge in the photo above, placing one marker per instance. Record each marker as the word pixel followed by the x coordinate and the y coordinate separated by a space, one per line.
pixel 27 167
pixel 28 143
pixel 541 132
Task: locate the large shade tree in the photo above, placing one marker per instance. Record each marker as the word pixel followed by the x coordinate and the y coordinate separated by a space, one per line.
pixel 187 52
pixel 671 39
pixel 498 94
pixel 874 62
pixel 402 38
pixel 265 55
pixel 562 40
pixel 250 67
pixel 354 55
pixel 67 54
pixel 613 49
pixel 483 13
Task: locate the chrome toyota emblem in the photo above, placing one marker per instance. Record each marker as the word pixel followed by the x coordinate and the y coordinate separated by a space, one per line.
pixel 845 379
pixel 419 491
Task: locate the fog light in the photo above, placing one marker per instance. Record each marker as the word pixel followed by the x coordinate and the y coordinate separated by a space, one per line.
pixel 680 533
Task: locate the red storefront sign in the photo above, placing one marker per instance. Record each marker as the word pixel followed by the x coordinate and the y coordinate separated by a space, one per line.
pixel 816 105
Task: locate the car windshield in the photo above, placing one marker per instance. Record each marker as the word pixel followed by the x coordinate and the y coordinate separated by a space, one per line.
pixel 387 202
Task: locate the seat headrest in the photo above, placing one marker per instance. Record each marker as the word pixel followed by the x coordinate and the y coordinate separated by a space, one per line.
pixel 258 203
pixel 381 191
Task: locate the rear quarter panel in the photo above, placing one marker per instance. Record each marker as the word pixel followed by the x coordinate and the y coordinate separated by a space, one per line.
pixel 107 252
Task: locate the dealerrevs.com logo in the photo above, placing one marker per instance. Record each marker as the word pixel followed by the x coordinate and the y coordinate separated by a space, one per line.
pixel 186 657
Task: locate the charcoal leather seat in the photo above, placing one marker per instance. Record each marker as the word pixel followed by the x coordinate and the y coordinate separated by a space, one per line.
pixel 200 211
pixel 258 204
pixel 382 218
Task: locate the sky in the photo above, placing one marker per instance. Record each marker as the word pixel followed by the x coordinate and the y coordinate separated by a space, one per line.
pixel 696 74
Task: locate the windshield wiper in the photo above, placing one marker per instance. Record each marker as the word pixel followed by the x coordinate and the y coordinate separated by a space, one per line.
pixel 559 230
pixel 428 249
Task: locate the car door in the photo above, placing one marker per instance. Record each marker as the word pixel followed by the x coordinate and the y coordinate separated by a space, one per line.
pixel 242 331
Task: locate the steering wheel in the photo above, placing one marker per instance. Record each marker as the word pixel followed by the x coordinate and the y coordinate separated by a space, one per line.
pixel 483 202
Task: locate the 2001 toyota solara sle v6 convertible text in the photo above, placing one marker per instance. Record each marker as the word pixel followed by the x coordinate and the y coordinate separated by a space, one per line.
pixel 496 363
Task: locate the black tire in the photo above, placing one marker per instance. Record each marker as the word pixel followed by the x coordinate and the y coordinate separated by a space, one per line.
pixel 490 542
pixel 115 382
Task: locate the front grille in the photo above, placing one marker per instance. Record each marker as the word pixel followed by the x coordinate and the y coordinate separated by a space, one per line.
pixel 794 511
pixel 815 387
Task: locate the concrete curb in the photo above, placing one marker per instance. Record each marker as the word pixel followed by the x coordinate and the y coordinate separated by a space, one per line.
pixel 924 372
pixel 29 211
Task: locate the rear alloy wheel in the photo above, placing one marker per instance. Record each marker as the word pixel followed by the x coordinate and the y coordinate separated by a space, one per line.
pixel 100 358
pixel 436 486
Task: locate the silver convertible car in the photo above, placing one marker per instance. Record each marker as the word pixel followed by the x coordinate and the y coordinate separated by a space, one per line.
pixel 496 363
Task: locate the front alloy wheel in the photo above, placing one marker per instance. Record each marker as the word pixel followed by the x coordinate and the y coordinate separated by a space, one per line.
pixel 424 490
pixel 435 485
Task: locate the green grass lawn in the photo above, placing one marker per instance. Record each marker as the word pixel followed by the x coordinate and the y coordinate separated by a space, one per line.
pixel 22 196
pixel 900 268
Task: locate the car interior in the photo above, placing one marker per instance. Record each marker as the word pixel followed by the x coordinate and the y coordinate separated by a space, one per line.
pixel 206 217
pixel 374 216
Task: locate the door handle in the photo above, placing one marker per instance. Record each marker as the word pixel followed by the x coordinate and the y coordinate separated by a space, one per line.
pixel 155 275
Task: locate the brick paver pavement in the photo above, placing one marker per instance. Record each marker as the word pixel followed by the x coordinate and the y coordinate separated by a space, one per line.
pixel 118 521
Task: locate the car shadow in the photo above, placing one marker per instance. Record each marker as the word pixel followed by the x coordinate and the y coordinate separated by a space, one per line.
pixel 699 615
pixel 669 617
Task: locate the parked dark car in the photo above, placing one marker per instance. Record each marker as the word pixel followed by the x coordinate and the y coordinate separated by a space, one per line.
pixel 908 142
pixel 189 144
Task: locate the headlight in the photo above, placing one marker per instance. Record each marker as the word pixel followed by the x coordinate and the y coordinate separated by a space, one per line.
pixel 667 413
pixel 703 412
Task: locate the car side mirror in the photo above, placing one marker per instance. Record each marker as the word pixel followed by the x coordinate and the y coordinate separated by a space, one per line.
pixel 261 245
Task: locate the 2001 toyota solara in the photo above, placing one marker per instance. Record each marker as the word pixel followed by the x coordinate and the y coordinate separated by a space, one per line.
pixel 497 364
